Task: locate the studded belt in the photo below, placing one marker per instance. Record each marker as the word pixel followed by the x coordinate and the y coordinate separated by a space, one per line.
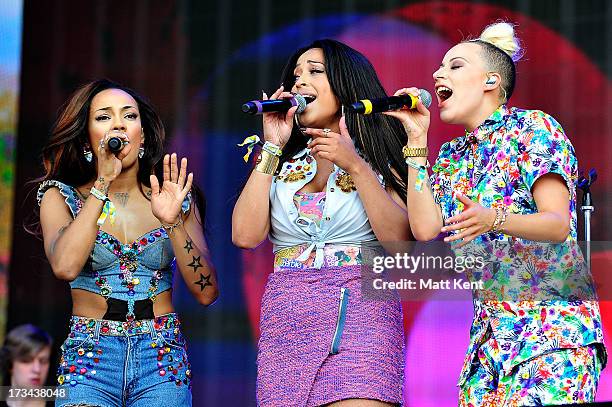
pixel 93 326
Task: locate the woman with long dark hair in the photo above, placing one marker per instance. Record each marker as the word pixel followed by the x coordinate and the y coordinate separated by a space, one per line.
pixel 113 232
pixel 505 191
pixel 323 186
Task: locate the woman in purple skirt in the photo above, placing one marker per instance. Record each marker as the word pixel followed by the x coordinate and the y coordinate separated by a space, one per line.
pixel 324 185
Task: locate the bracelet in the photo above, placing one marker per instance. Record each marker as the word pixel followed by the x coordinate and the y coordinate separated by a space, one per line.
pixel 418 185
pixel 170 228
pixel 108 210
pixel 267 163
pixel 415 151
pixel 98 194
pixel 272 149
pixel 500 219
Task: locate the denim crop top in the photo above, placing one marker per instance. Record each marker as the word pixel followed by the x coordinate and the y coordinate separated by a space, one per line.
pixel 149 257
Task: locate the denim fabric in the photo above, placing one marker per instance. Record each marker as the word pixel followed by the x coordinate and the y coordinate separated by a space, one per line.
pixel 150 258
pixel 110 363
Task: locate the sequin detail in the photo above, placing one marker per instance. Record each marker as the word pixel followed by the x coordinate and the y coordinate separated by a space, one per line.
pixel 128 263
pixel 82 351
pixel 345 182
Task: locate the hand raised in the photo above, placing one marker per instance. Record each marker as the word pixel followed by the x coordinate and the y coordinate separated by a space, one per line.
pixel 167 201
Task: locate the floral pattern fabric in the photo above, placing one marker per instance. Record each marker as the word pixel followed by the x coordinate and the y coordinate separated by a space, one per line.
pixel 497 165
pixel 310 207
pixel 564 377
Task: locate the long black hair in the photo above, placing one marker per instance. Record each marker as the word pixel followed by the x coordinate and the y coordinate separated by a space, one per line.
pixel 352 77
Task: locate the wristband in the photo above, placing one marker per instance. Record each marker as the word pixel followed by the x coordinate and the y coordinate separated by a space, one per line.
pixel 422 173
pixel 108 210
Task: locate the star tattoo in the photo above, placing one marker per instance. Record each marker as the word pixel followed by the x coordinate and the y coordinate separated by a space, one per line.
pixel 188 246
pixel 195 263
pixel 203 282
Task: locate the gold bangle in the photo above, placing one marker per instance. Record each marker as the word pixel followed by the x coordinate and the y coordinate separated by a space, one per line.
pixel 267 163
pixel 414 151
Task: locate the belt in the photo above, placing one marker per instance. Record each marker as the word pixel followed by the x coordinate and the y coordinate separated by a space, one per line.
pixel 123 328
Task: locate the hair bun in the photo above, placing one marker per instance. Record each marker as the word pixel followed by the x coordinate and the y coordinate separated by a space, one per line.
pixel 502 35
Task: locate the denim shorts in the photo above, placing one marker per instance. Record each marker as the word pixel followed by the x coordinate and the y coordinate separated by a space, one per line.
pixel 112 363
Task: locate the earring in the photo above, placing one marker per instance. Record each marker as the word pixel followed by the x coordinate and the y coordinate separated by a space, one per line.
pixel 141 148
pixel 88 154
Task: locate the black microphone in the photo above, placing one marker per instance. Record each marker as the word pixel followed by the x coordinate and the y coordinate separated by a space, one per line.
pixel 277 105
pixel 116 144
pixel 369 106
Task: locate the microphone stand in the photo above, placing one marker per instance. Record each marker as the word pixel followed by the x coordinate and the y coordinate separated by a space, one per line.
pixel 587 208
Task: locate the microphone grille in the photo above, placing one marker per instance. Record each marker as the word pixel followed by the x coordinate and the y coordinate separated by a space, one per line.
pixel 425 97
pixel 301 102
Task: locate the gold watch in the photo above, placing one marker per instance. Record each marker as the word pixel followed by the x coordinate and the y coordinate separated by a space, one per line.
pixel 414 151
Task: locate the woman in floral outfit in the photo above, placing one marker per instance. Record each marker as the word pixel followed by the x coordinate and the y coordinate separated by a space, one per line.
pixel 505 187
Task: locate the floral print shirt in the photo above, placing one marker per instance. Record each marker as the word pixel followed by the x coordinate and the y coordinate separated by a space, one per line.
pixel 538 297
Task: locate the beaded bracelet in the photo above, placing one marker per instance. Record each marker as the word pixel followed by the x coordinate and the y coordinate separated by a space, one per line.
pixel 170 228
pixel 418 185
pixel 108 210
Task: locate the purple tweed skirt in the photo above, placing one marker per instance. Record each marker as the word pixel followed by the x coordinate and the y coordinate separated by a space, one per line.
pixel 321 341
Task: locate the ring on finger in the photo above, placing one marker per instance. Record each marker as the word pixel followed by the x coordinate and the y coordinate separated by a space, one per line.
pixel 326 132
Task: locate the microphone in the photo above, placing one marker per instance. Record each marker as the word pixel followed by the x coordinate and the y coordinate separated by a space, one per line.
pixel 277 105
pixel 369 106
pixel 115 143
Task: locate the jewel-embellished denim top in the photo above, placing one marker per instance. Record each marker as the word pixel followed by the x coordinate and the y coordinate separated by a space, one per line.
pixel 149 258
pixel 344 220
